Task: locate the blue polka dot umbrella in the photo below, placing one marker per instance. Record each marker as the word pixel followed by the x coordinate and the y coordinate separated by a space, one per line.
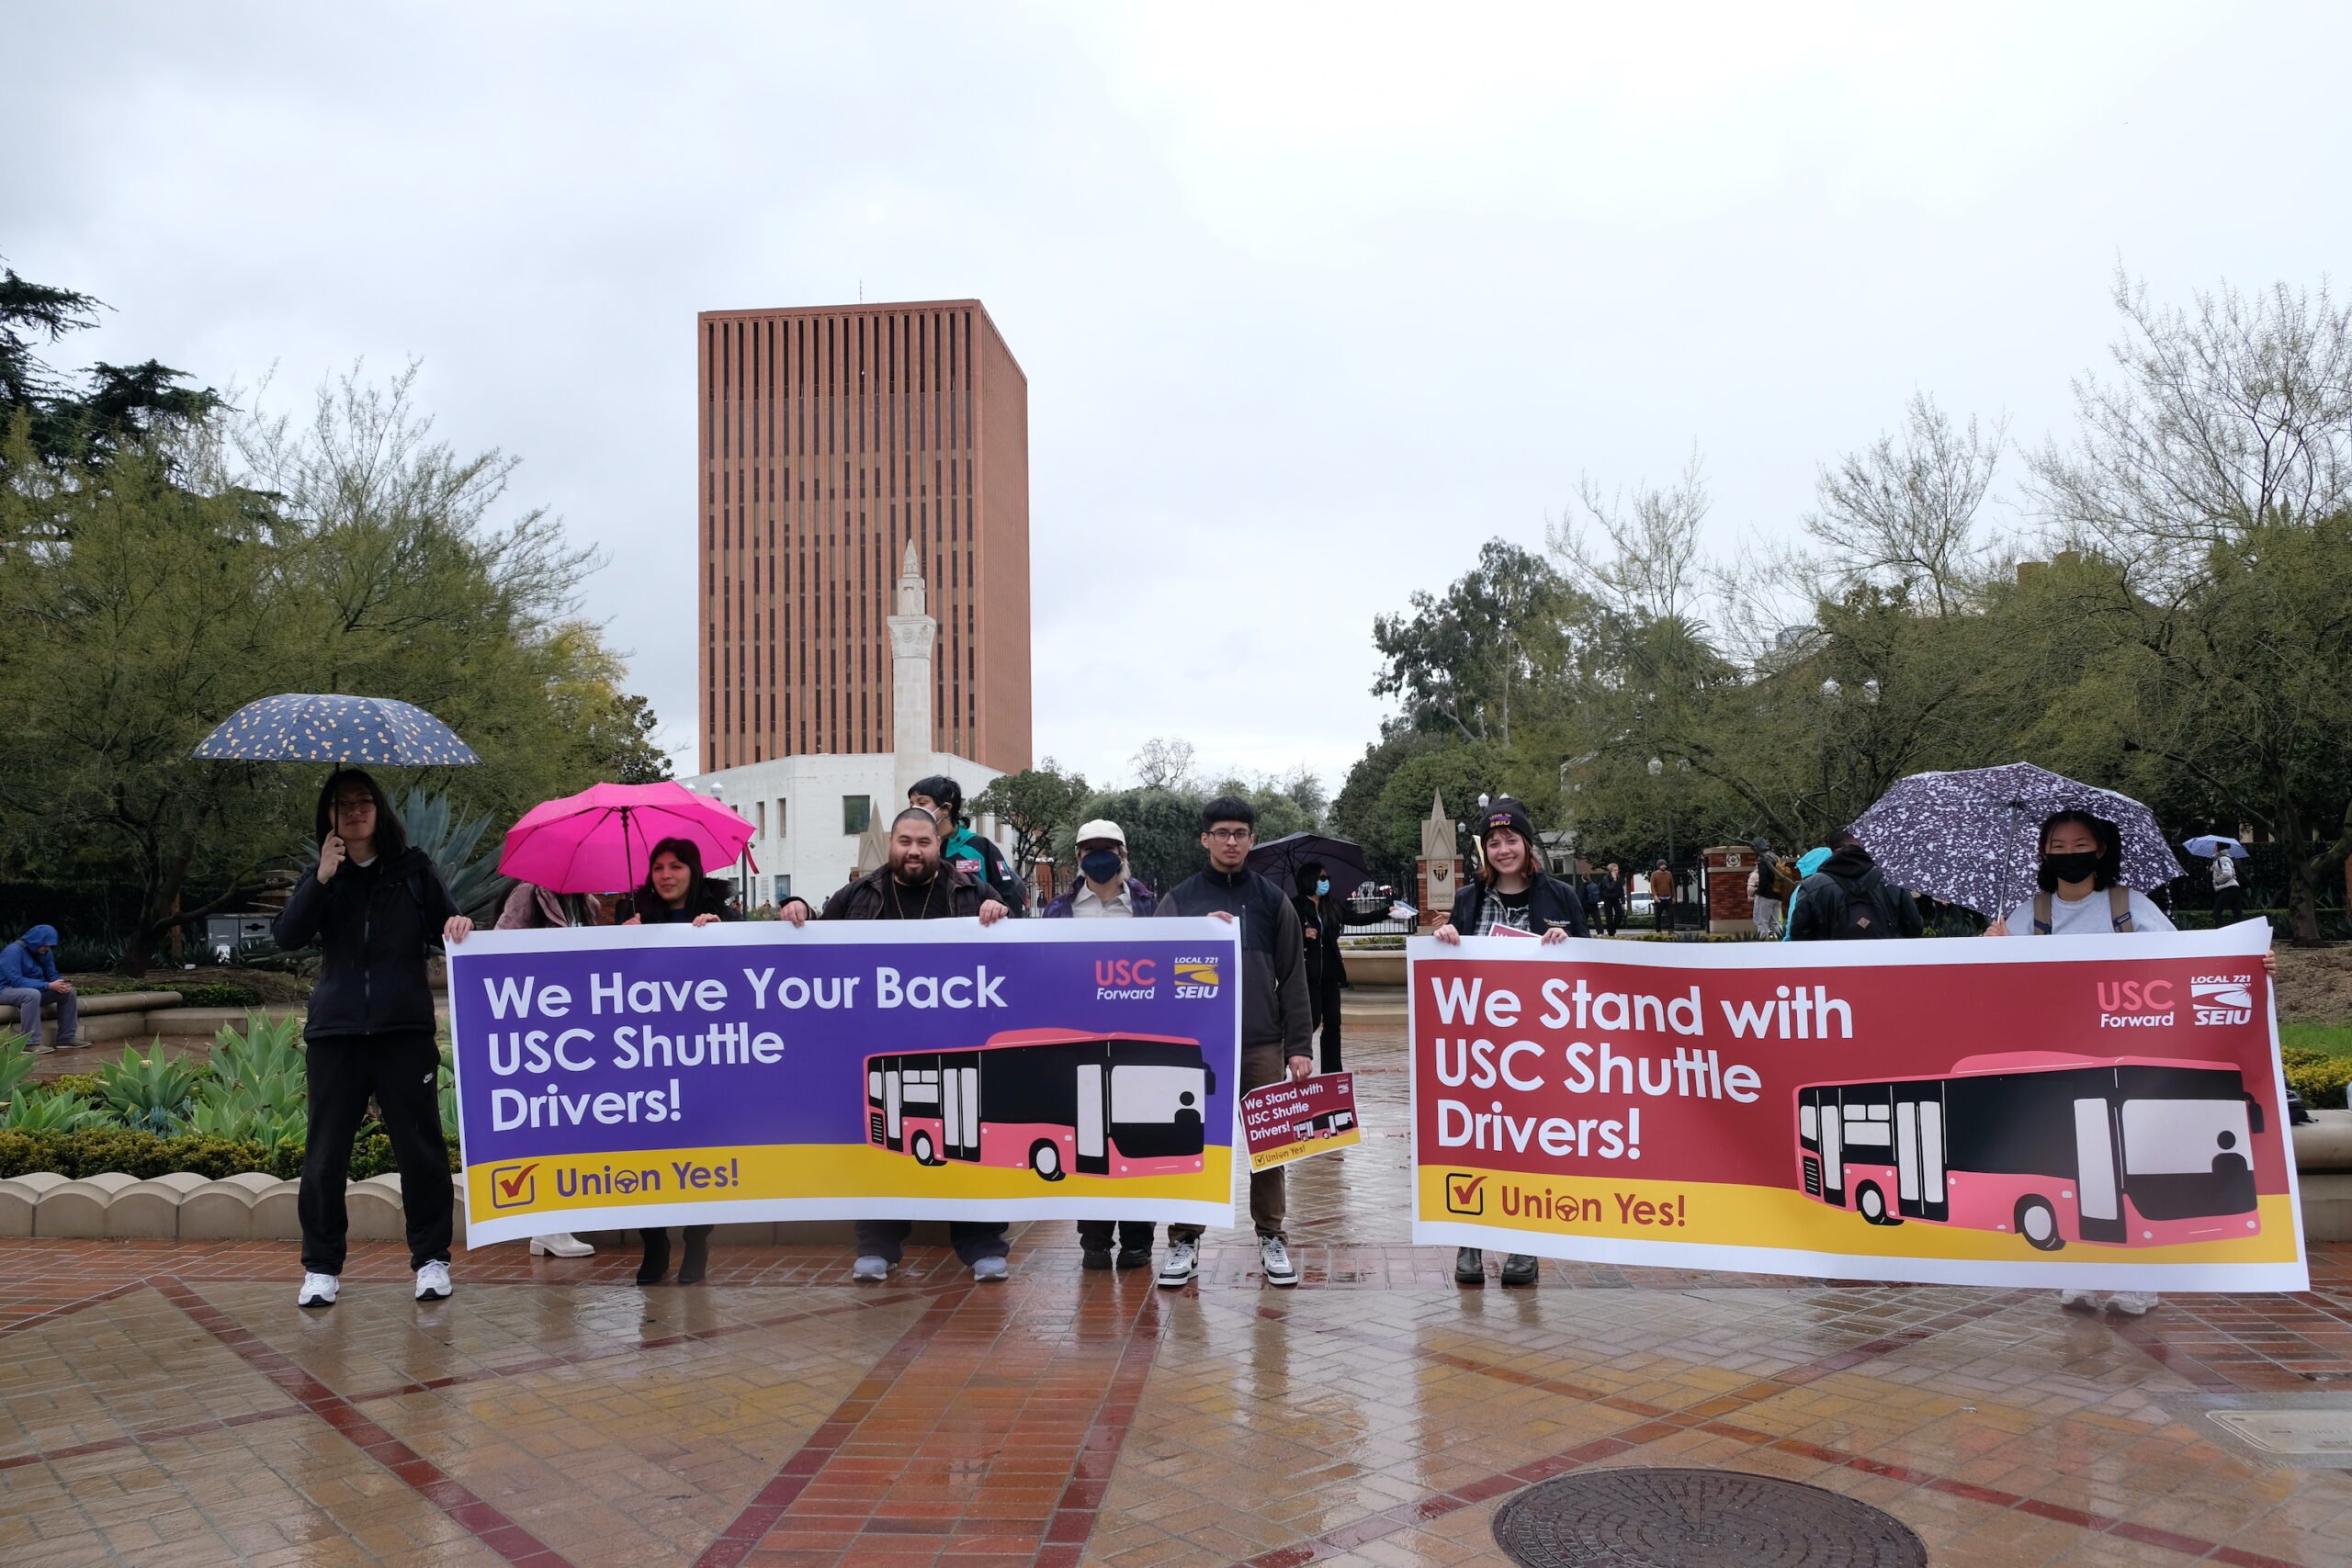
pixel 309 728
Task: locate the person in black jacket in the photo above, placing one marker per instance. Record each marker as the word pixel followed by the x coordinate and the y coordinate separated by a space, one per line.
pixel 373 905
pixel 1277 1025
pixel 1321 920
pixel 676 893
pixel 1849 900
pixel 916 884
pixel 1509 893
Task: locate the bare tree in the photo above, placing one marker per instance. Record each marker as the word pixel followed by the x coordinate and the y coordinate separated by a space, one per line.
pixel 2234 411
pixel 1646 563
pixel 1162 764
pixel 1901 512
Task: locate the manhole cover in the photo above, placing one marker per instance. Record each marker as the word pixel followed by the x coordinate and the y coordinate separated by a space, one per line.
pixel 2292 1431
pixel 1698 1518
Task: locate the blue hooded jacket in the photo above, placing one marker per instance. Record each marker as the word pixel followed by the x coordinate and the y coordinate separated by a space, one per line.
pixel 22 969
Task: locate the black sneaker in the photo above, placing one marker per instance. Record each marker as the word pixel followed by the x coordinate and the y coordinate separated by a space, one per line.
pixel 1095 1258
pixel 1134 1257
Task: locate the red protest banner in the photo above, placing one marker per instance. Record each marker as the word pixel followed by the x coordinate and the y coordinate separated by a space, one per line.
pixel 2101 1111
pixel 1284 1122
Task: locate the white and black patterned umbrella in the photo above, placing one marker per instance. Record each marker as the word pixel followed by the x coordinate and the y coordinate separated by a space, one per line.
pixel 1973 838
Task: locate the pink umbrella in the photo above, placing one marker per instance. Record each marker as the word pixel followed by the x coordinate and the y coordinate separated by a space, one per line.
pixel 598 841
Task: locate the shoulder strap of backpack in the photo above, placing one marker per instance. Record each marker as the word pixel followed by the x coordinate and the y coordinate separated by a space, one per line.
pixel 2041 914
pixel 2119 906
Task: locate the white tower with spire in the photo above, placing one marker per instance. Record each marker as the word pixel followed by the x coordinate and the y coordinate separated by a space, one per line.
pixel 912 634
pixel 819 819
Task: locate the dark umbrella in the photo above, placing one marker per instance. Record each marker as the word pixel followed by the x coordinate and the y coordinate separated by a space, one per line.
pixel 1973 838
pixel 1278 861
pixel 304 727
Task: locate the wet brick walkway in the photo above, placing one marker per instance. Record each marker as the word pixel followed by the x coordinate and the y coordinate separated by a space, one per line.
pixel 169 1405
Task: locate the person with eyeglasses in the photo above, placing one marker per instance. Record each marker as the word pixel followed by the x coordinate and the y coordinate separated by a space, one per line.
pixel 1277 1022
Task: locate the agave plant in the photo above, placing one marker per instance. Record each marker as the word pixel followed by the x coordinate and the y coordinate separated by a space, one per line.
pixel 16 1063
pixel 432 825
pixel 268 1050
pixel 246 1116
pixel 448 1082
pixel 148 1093
pixel 49 1111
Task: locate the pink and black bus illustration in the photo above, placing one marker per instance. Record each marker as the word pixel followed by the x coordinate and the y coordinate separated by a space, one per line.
pixel 2128 1151
pixel 1052 1099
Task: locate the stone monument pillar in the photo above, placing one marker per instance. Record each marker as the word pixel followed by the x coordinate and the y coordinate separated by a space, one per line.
pixel 912 633
pixel 1438 868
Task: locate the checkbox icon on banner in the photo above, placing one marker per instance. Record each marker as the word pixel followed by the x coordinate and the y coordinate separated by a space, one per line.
pixel 513 1186
pixel 1465 1193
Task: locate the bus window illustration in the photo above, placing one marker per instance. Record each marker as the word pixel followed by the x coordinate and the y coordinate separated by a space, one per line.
pixel 1053 1101
pixel 1342 1120
pixel 2128 1151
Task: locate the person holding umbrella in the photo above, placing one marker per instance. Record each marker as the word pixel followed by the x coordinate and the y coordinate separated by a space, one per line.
pixel 529 906
pixel 1321 920
pixel 676 893
pixel 373 904
pixel 2228 894
pixel 2082 857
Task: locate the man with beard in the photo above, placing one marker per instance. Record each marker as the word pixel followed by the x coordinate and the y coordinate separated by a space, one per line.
pixel 914 886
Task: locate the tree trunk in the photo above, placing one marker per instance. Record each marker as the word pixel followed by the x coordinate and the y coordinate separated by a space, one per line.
pixel 158 912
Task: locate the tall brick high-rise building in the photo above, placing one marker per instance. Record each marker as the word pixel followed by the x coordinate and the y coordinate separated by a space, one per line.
pixel 831 438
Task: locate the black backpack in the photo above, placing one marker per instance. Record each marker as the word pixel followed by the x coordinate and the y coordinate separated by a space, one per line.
pixel 1864 911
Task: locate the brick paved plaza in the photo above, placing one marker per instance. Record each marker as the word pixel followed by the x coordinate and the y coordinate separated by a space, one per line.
pixel 168 1404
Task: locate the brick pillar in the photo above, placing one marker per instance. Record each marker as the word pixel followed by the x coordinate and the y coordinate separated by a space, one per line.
pixel 1729 909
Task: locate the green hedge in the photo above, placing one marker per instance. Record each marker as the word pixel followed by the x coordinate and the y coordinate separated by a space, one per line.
pixel 147 1154
pixel 219 994
pixel 2319 1077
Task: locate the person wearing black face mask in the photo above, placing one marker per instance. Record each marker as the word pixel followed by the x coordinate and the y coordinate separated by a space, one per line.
pixel 2082 895
pixel 1321 920
pixel 1105 891
pixel 2082 891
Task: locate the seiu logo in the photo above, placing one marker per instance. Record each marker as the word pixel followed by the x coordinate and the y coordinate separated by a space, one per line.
pixel 2222 1000
pixel 1124 973
pixel 2134 1004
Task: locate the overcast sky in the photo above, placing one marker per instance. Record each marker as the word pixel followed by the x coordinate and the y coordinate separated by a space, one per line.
pixel 1312 298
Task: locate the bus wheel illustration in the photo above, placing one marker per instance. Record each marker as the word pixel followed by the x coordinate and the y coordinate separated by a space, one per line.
pixel 924 1151
pixel 1873 1205
pixel 2038 1222
pixel 1045 1159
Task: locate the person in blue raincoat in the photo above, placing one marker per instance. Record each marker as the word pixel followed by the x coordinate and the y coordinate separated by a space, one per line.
pixel 28 979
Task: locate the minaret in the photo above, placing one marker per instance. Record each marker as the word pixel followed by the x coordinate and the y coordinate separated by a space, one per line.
pixel 912 633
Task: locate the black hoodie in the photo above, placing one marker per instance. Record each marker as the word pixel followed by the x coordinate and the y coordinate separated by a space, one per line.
pixel 1881 909
pixel 372 923
pixel 1274 953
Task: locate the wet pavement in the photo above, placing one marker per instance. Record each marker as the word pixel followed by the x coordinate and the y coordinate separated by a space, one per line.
pixel 167 1404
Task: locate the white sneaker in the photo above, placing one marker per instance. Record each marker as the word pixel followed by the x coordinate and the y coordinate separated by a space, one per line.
pixel 988 1269
pixel 433 1282
pixel 1183 1263
pixel 871 1269
pixel 2075 1300
pixel 562 1243
pixel 318 1290
pixel 2132 1304
pixel 1280 1269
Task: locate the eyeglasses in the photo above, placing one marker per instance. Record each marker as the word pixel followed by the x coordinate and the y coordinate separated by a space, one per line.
pixel 1233 835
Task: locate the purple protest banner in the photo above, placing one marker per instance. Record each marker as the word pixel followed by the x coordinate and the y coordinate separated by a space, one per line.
pixel 664 1075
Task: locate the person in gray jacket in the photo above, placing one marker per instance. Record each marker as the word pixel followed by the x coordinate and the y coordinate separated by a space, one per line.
pixel 1277 1025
